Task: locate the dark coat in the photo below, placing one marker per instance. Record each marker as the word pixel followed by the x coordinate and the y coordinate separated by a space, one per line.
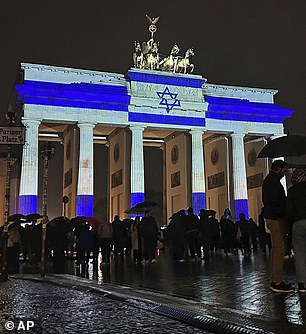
pixel 244 226
pixel 148 228
pixel 273 197
pixel 296 202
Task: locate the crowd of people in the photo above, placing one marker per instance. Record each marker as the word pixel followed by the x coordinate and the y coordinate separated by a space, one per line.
pixel 187 236
pixel 197 237
pixel 78 239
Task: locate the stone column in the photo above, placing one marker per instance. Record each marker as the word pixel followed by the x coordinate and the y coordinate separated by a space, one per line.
pixel 197 171
pixel 240 190
pixel 85 195
pixel 28 193
pixel 283 180
pixel 137 165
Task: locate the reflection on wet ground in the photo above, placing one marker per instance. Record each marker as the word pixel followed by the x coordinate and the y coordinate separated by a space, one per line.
pixel 233 283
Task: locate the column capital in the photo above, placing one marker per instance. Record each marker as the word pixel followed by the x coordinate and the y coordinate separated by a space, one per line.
pixel 136 127
pixel 29 121
pixel 237 134
pixel 86 125
pixel 196 131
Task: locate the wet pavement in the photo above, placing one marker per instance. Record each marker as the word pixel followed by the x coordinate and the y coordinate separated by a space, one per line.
pixel 46 308
pixel 233 289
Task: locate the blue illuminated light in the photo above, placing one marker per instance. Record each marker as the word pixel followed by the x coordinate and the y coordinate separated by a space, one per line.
pixel 243 110
pixel 241 206
pixel 28 204
pixel 198 201
pixel 136 198
pixel 173 80
pixel 166 119
pixel 81 95
pixel 85 205
pixel 169 97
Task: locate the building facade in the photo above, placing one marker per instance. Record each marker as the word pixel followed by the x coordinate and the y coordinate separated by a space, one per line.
pixel 210 136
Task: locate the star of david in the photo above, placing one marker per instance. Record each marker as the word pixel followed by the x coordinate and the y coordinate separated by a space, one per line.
pixel 168 99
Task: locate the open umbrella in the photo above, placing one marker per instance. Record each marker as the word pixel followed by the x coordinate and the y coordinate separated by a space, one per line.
pixel 32 216
pixel 59 221
pixel 94 222
pixel 17 217
pixel 210 212
pixel 287 146
pixel 135 210
pixel 145 204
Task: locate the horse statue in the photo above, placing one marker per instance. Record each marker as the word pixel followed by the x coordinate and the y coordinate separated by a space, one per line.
pixel 184 65
pixel 138 56
pixel 152 57
pixel 169 63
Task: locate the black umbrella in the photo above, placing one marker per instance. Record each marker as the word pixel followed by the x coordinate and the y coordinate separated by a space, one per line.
pixel 13 224
pixel 135 210
pixel 17 217
pixel 145 204
pixel 287 146
pixel 210 212
pixel 32 216
pixel 61 222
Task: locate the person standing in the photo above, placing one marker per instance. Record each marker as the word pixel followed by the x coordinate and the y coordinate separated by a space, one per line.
pixel 136 240
pixel 192 234
pixel 148 231
pixel 205 233
pixel 105 232
pixel 177 236
pixel 13 248
pixel 253 234
pixel 118 237
pixel 274 200
pixel 228 231
pixel 296 215
pixel 245 230
pixel 263 236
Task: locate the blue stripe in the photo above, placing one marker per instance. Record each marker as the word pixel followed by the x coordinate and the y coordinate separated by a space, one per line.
pixel 163 79
pixel 81 95
pixel 244 118
pixel 241 206
pixel 198 202
pixel 136 198
pixel 28 204
pixel 244 110
pixel 166 119
pixel 74 104
pixel 85 205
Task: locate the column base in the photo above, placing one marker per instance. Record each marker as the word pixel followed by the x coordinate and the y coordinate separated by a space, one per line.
pixel 198 202
pixel 241 206
pixel 136 198
pixel 85 205
pixel 28 204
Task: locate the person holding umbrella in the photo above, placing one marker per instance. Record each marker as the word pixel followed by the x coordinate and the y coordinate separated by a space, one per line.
pixel 105 231
pixel 274 200
pixel 149 234
pixel 13 247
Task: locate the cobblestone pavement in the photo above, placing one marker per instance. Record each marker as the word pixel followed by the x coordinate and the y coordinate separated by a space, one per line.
pixel 53 309
pixel 230 288
pixel 234 288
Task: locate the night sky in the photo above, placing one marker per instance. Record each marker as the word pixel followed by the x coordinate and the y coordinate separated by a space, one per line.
pixel 247 43
pixel 238 42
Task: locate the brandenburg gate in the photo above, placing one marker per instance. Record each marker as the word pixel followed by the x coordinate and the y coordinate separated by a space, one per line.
pixel 210 134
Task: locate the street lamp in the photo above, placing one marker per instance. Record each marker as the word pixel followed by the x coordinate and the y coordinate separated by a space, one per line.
pixel 47 152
